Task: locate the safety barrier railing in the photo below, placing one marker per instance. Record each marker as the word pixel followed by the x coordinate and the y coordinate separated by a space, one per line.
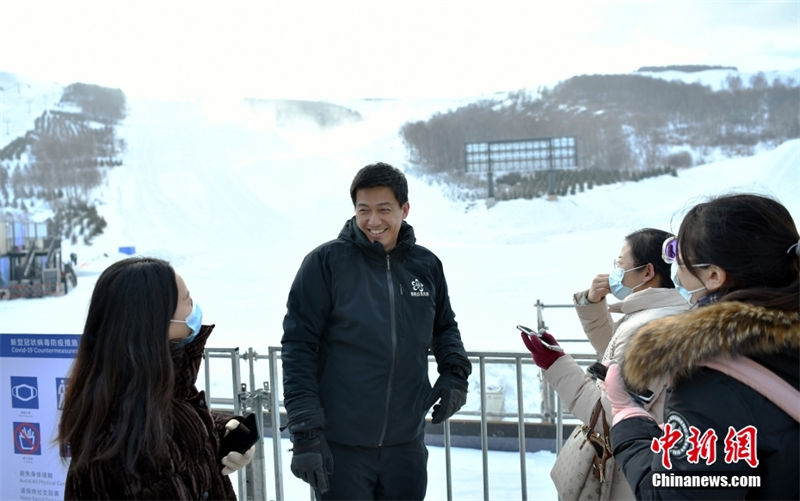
pixel 267 398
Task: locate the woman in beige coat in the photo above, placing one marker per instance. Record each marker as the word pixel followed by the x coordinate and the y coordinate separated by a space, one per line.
pixel 641 281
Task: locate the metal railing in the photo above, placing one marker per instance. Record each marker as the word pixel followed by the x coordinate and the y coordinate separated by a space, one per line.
pixel 267 399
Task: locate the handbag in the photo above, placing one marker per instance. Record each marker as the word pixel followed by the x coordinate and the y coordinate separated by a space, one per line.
pixel 582 470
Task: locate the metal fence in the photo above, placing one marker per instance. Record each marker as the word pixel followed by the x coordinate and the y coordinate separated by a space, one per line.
pixel 264 398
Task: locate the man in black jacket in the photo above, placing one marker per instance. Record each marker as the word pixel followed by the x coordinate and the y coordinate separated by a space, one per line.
pixel 362 314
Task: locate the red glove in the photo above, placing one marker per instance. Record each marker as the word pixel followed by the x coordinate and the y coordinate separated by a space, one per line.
pixel 541 354
pixel 622 405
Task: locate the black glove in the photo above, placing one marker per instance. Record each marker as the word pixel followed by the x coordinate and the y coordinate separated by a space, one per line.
pixel 452 389
pixel 312 460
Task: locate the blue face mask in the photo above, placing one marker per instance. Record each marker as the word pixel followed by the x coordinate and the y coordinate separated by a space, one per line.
pixel 687 294
pixel 194 321
pixel 619 290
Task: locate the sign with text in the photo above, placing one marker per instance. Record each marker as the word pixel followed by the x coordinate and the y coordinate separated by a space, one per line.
pixel 33 377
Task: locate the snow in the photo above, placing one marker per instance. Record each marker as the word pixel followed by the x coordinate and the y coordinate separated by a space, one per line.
pixel 717 79
pixel 235 200
pixel 21 102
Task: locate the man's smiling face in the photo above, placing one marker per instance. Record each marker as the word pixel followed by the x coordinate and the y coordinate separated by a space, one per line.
pixel 379 215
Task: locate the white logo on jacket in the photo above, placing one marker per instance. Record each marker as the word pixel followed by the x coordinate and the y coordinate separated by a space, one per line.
pixel 679 422
pixel 417 289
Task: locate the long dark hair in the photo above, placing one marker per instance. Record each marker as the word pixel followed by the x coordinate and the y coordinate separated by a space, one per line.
pixel 121 382
pixel 748 236
pixel 646 245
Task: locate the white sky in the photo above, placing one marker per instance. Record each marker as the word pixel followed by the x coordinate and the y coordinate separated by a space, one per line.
pixel 415 48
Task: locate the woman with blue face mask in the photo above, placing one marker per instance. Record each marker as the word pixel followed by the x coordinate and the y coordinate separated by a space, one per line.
pixel 640 281
pixel 736 259
pixel 134 426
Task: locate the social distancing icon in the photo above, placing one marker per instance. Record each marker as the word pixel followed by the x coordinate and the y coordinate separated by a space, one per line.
pixel 61 391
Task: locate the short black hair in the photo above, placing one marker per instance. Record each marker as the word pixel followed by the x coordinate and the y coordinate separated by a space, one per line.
pixel 381 174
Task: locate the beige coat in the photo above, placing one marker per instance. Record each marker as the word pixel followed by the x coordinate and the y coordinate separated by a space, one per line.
pixel 579 392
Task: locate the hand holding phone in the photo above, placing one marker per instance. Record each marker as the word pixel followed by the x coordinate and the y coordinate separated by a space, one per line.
pixel 532 333
pixel 241 438
pixel 598 371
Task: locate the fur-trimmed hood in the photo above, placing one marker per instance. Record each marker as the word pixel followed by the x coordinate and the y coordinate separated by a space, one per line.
pixel 677 344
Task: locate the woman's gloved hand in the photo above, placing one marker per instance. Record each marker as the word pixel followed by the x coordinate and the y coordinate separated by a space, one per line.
pixel 542 355
pixel 622 405
pixel 235 461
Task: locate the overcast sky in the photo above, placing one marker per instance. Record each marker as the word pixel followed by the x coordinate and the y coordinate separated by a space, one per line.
pixel 411 48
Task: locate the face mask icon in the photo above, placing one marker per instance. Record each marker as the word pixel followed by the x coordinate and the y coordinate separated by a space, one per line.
pixel 24 392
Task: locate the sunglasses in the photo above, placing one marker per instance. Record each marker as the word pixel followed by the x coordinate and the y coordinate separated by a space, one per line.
pixel 669 253
pixel 669 250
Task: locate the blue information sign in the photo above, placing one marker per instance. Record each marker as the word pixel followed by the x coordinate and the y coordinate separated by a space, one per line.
pixel 34 378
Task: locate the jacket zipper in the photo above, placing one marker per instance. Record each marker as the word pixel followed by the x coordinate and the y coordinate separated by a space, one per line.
pixel 393 330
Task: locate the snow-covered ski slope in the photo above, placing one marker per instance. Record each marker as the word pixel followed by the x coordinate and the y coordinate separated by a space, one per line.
pixel 235 200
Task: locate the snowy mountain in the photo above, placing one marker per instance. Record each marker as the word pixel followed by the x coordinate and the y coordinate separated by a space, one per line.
pixel 717 79
pixel 235 201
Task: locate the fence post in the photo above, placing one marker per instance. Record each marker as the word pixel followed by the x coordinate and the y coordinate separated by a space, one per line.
pixel 253 475
pixel 484 429
pixel 521 431
pixel 275 418
pixel 448 463
pixel 548 393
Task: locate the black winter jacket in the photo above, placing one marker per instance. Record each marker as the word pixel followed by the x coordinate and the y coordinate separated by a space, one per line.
pixel 709 400
pixel 356 337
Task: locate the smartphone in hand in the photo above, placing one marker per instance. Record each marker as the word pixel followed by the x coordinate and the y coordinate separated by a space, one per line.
pixel 531 332
pixel 598 371
pixel 242 437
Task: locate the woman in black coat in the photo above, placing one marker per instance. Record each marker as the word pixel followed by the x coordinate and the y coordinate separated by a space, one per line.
pixel 134 426
pixel 737 259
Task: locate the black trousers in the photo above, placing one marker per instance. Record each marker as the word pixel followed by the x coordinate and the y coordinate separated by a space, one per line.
pixel 398 472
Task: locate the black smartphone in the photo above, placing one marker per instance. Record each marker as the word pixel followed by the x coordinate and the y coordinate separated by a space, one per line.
pixel 242 437
pixel 598 371
pixel 642 398
pixel 531 332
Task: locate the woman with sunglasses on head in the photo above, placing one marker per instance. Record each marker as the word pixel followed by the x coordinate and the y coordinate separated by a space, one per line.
pixel 134 426
pixel 640 281
pixel 731 415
